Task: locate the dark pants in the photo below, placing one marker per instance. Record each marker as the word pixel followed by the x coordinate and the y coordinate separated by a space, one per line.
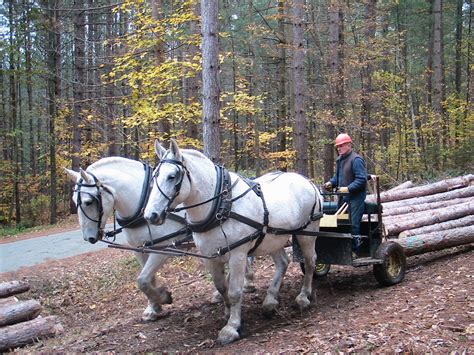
pixel 356 210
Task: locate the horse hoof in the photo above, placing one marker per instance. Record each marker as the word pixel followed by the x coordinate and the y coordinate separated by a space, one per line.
pixel 227 335
pixel 152 316
pixel 217 297
pixel 302 302
pixel 269 310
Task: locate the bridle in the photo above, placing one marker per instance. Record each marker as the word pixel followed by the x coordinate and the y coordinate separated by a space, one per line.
pixel 96 197
pixel 182 170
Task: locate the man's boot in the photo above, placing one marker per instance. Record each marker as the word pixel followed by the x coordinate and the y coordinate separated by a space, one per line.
pixel 356 243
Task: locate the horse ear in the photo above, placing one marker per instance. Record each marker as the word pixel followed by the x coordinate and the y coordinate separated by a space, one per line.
pixel 86 177
pixel 159 150
pixel 175 149
pixel 73 175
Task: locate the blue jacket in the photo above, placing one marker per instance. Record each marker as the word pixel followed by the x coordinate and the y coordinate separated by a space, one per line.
pixel 351 172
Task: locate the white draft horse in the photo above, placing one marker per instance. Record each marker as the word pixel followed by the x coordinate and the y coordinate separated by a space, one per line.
pixel 121 185
pixel 260 221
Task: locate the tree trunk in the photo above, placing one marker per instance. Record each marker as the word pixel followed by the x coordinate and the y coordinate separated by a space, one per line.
pixel 438 76
pixel 454 223
pixel 299 88
pixel 393 226
pixel 210 80
pixel 164 126
pixel 429 189
pixel 367 87
pixel 192 83
pixel 54 67
pixel 19 312
pixel 281 121
pixel 336 81
pixel 424 243
pixel 25 333
pixel 15 147
pixel 10 288
pixel 78 89
pixel 396 212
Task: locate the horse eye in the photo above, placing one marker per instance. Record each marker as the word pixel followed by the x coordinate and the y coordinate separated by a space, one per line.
pixel 171 176
pixel 89 202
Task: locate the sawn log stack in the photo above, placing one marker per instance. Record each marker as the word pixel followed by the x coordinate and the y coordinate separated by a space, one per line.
pixel 430 217
pixel 20 321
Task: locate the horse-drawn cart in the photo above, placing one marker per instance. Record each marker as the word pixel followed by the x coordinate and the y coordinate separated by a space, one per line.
pixel 334 243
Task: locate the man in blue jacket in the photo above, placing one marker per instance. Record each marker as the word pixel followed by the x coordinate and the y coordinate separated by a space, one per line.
pixel 350 179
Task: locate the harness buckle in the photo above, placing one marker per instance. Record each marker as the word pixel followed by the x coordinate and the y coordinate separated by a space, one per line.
pixel 219 216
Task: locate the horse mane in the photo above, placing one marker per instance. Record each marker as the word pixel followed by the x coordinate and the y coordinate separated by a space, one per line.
pixel 110 161
pixel 194 152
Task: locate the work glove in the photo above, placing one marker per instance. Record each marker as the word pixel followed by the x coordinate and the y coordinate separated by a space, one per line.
pixel 328 185
pixel 343 190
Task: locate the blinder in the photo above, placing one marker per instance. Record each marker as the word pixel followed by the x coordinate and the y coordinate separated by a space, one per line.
pixel 179 180
pixel 96 197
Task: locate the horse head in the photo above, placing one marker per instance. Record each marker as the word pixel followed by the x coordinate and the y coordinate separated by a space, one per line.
pixel 94 202
pixel 171 183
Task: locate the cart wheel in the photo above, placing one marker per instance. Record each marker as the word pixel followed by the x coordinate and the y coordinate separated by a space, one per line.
pixel 392 269
pixel 320 269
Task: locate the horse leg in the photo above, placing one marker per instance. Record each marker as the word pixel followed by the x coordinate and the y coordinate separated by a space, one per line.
pixel 249 285
pixel 220 280
pixel 147 284
pixel 281 265
pixel 307 244
pixel 230 332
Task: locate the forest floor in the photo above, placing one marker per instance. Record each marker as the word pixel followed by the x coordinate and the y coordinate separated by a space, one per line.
pixel 95 297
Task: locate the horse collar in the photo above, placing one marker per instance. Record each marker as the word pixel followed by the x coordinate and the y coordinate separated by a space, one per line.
pixel 222 203
pixel 137 219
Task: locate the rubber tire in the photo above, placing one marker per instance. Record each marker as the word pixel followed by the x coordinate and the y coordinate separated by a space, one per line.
pixel 320 270
pixel 392 270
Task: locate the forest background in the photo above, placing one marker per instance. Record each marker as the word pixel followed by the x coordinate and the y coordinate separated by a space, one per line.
pixel 258 85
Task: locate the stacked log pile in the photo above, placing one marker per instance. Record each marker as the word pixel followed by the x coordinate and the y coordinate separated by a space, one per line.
pixel 20 321
pixel 430 217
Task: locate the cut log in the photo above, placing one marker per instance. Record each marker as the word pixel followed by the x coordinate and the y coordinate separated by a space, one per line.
pixel 373 197
pixel 438 227
pixel 19 312
pixel 8 301
pixel 424 243
pixel 393 226
pixel 10 288
pixel 404 185
pixel 24 333
pixel 425 206
pixel 444 196
pixel 429 189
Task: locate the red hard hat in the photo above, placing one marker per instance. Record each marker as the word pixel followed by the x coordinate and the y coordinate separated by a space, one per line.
pixel 343 138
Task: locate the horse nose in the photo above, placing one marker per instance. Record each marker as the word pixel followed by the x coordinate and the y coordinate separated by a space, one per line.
pixel 92 240
pixel 153 218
